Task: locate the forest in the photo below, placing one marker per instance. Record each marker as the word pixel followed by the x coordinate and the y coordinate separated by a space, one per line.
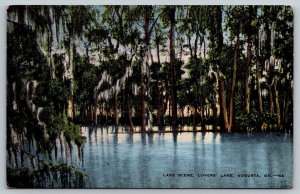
pixel 140 69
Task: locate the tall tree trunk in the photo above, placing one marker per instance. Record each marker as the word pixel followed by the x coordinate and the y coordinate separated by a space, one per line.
pixel 272 81
pixel 173 90
pixel 196 46
pixel 257 65
pixel 247 87
pixel 106 114
pixel 159 109
pixel 127 108
pixel 216 29
pixel 71 66
pixel 260 104
pixel 214 108
pixel 116 111
pixel 232 94
pixel 160 104
pixel 151 56
pixel 204 49
pixel 271 103
pixel 223 109
pixel 277 105
pixel 190 45
pixel 142 103
pixel 181 52
pixel 202 115
pixel 195 112
pixel 144 66
pixel 193 55
pixel 200 47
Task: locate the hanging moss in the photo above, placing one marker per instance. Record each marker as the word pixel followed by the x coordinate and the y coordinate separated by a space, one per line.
pixel 71 131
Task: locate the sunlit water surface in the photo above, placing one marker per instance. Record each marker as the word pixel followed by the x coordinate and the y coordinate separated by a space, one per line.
pixel 138 160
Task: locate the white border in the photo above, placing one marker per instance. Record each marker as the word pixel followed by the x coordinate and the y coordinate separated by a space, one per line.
pixel 4 3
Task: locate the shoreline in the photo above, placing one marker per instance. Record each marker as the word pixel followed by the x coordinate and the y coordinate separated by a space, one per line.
pixel 184 131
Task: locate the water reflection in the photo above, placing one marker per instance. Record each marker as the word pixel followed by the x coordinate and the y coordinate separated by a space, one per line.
pixel 139 160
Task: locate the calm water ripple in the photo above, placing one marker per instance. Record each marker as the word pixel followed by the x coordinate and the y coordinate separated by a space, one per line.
pixel 202 160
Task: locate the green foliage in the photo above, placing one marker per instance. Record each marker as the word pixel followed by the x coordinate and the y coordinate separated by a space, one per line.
pixel 64 176
pixel 255 119
pixel 56 124
pixel 72 132
pixel 249 119
pixel 24 60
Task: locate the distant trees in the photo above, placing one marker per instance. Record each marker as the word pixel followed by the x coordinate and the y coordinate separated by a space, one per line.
pixel 226 66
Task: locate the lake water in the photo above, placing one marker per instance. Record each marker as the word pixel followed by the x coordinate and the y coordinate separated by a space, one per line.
pixel 202 160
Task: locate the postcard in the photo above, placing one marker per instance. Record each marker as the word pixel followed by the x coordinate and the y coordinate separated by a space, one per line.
pixel 140 96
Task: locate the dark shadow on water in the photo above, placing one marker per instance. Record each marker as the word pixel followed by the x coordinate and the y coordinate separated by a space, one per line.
pixel 175 134
pixel 82 157
pixel 96 131
pixel 115 139
pixel 150 138
pixel 143 138
pixel 130 138
pixel 90 132
pixel 203 136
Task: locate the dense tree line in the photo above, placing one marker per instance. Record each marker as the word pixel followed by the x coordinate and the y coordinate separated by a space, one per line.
pixel 227 68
